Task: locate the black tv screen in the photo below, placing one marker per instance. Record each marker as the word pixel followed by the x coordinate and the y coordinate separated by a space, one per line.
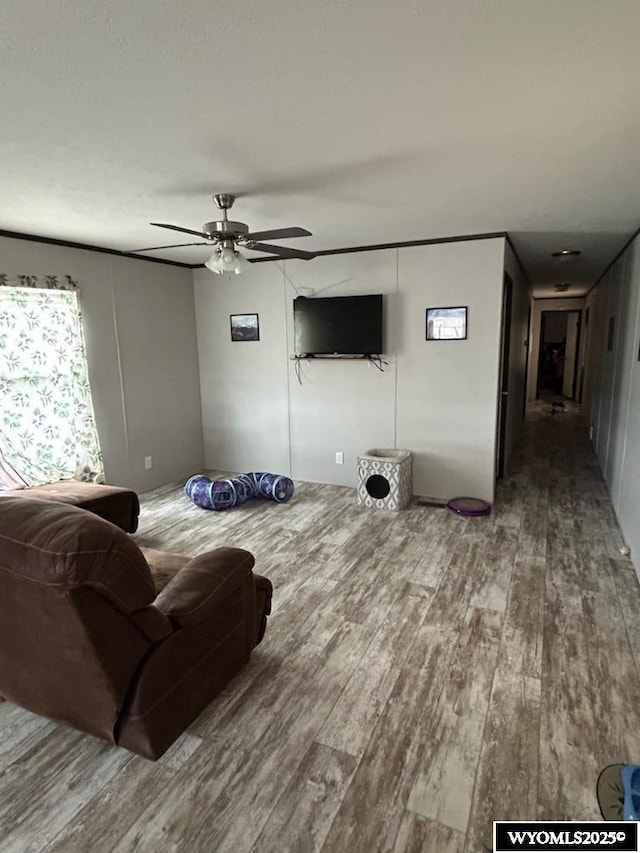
pixel 338 325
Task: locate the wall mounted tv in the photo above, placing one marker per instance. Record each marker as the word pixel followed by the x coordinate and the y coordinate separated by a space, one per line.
pixel 338 325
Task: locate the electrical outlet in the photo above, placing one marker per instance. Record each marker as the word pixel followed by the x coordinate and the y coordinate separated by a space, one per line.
pixel 148 463
pixel 339 457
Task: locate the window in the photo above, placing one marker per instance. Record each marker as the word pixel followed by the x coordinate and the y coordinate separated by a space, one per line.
pixel 47 424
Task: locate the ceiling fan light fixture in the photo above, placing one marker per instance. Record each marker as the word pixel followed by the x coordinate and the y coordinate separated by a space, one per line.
pixel 566 256
pixel 227 257
pixel 213 263
pixel 242 264
pixel 227 260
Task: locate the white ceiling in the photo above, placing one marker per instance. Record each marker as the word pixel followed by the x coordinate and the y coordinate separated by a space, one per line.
pixel 365 121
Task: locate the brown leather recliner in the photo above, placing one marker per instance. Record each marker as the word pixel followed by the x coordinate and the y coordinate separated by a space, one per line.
pixel 86 638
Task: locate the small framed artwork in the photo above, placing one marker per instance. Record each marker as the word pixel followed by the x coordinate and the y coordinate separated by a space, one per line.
pixel 245 327
pixel 446 324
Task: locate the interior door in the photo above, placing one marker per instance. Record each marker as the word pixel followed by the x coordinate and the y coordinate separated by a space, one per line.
pixel 503 392
pixel 571 355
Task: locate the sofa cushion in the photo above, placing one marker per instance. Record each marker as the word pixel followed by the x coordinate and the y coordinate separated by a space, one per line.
pixel 113 503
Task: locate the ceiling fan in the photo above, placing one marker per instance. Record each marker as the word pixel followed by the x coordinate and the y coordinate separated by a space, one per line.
pixel 225 235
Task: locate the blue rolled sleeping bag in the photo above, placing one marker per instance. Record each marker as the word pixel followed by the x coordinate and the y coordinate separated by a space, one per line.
pixel 225 494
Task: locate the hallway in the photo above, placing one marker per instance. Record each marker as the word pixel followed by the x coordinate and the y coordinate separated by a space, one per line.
pixel 584 605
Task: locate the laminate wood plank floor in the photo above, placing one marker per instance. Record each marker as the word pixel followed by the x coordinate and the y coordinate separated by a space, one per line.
pixel 421 675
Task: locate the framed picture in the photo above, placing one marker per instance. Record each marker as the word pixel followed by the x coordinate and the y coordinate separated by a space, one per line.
pixel 446 324
pixel 245 327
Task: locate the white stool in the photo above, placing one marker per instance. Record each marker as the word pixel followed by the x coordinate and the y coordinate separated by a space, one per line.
pixel 384 479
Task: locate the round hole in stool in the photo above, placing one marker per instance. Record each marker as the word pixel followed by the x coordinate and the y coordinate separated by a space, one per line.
pixel 377 486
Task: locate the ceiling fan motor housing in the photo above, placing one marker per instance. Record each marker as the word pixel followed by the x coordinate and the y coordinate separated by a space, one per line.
pixel 225 228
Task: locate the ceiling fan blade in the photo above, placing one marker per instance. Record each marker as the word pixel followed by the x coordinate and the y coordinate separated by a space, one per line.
pixel 278 234
pixel 173 246
pixel 184 230
pixel 282 251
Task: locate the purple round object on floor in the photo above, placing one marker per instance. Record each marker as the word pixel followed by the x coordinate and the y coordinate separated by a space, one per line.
pixel 469 506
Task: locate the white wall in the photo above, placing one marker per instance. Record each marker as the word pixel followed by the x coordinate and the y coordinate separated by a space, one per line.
pixel 139 327
pixel 607 401
pixel 437 399
pixel 537 307
pixel 245 410
pixel 614 413
pixel 448 390
pixel 595 325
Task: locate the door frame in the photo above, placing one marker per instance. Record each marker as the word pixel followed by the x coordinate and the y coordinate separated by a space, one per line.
pixel 503 385
pixel 576 357
pixel 527 362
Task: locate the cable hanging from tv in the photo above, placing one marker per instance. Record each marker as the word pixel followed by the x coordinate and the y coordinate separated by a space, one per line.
pixel 376 360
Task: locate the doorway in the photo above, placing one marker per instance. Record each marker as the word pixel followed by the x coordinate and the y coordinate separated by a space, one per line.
pixel 558 359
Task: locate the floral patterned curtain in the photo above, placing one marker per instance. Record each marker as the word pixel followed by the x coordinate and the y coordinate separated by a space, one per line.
pixel 47 425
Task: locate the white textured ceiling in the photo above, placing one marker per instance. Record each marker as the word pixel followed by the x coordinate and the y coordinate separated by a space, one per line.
pixel 365 121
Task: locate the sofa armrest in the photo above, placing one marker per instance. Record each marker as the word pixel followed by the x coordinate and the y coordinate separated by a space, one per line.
pixel 264 589
pixel 202 583
pixel 264 593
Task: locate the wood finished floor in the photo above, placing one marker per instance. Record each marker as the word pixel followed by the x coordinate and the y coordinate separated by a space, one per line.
pixel 422 675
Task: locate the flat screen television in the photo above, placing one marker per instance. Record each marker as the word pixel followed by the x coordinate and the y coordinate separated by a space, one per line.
pixel 338 325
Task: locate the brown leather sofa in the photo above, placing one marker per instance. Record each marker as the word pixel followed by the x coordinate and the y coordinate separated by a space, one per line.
pixel 113 503
pixel 86 638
